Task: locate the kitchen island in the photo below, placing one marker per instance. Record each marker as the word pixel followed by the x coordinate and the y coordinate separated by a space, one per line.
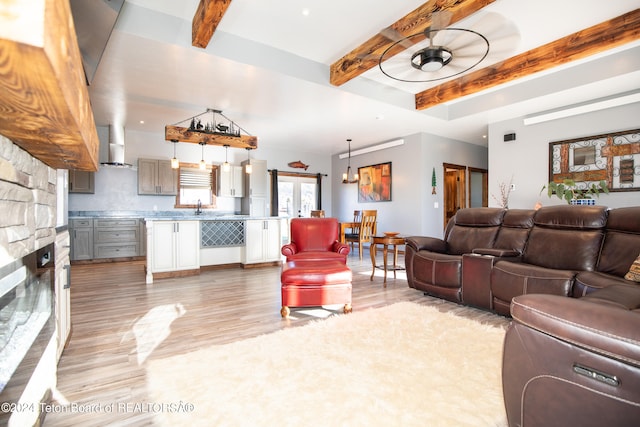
pixel 181 243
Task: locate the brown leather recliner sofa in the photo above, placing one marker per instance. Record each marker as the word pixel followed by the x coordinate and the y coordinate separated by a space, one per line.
pixel 572 352
pixel 488 256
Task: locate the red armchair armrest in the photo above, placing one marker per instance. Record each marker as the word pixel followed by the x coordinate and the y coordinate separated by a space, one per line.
pixel 340 248
pixel 289 249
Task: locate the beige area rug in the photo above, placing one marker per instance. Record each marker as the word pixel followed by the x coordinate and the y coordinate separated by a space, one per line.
pixel 400 365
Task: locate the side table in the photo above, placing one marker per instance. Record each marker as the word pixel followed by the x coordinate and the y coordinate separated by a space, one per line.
pixel 385 241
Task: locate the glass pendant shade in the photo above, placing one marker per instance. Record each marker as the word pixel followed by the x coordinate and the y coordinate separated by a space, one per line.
pixel 347 178
pixel 202 164
pixel 175 163
pixel 226 166
pixel 248 169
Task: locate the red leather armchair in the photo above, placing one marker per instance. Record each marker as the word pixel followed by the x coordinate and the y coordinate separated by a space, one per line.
pixel 315 239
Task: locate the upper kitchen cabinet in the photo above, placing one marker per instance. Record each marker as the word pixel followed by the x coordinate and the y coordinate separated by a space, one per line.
pixel 81 182
pixel 45 102
pixel 155 177
pixel 231 182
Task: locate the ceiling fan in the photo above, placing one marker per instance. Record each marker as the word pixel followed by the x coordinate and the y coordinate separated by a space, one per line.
pixel 441 52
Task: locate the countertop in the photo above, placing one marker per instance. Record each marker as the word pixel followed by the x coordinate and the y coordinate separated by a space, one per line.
pixel 164 215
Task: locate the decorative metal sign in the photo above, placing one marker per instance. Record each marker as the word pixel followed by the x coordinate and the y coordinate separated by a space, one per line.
pixel 613 158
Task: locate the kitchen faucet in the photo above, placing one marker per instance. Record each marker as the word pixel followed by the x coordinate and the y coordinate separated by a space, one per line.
pixel 199 207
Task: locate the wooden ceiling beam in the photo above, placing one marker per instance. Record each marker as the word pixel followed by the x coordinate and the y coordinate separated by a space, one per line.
pixel 590 41
pixel 206 20
pixel 365 56
pixel 182 134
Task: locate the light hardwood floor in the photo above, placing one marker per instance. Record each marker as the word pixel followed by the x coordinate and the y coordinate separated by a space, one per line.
pixel 112 308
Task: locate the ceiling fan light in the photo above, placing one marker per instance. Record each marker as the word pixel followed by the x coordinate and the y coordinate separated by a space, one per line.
pixel 431 59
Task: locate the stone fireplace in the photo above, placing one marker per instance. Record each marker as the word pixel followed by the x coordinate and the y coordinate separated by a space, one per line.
pixel 28 289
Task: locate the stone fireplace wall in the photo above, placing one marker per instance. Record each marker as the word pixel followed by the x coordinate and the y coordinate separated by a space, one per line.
pixel 27 202
pixel 27 223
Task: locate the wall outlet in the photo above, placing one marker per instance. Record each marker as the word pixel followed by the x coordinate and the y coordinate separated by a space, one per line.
pixel 513 187
pixel 436 205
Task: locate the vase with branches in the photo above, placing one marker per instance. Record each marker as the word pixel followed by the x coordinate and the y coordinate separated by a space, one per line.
pixel 505 191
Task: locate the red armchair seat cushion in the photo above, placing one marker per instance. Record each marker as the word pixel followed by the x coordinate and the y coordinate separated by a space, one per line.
pixel 318 256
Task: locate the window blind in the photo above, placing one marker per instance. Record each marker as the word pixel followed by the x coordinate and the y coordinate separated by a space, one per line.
pixel 195 178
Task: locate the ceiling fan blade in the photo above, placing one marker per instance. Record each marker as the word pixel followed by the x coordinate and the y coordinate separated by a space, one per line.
pixel 395 36
pixel 440 19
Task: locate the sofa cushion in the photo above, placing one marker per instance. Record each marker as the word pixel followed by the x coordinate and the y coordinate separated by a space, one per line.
pixel 563 249
pixel 621 241
pixel 440 269
pixel 515 229
pixel 566 237
pixel 588 281
pixel 474 228
pixel 634 271
pixel 510 279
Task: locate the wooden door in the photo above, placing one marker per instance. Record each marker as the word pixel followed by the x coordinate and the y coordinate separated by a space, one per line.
pixel 455 190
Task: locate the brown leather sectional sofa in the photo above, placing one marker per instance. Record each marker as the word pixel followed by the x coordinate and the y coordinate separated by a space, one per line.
pixel 572 352
pixel 488 256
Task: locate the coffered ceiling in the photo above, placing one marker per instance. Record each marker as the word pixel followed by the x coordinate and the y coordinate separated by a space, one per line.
pixel 303 74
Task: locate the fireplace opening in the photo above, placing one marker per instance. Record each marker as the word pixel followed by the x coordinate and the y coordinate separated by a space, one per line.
pixel 27 322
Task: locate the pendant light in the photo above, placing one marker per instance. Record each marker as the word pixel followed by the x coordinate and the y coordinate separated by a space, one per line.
pixel 345 176
pixel 203 164
pixel 248 168
pixel 226 166
pixel 175 163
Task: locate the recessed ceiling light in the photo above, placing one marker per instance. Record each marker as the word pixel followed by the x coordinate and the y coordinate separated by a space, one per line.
pixel 484 136
pixel 141 122
pixel 306 11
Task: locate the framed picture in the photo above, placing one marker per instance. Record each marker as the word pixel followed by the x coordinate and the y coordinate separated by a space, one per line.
pixel 374 183
pixel 612 157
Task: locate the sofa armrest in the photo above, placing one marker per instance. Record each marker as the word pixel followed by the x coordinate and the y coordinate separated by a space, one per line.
pixel 433 244
pixel 497 252
pixel 599 327
pixel 340 248
pixel 289 249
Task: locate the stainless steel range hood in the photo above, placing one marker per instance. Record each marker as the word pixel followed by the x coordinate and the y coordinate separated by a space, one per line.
pixel 94 20
pixel 116 148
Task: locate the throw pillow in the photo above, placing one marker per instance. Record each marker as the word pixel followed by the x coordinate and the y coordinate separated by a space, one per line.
pixel 634 271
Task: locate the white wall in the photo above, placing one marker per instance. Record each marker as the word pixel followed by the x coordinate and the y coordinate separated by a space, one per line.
pixel 527 158
pixel 116 189
pixel 411 210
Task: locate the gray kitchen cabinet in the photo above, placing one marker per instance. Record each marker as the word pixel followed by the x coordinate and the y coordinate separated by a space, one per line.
pixel 156 177
pixel 116 237
pixel 81 182
pixel 81 235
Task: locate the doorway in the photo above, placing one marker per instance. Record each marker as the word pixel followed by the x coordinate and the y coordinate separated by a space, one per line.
pixel 478 187
pixel 297 196
pixel 460 193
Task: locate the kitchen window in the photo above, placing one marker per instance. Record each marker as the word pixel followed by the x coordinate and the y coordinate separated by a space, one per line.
pixel 195 184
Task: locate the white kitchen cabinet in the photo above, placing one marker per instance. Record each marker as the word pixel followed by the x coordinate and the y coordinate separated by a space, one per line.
pixel 62 290
pixel 172 246
pixel 262 241
pixel 256 184
pixel 231 182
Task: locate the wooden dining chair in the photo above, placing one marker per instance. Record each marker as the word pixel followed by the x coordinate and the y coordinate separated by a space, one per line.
pixel 351 232
pixel 317 214
pixel 366 229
